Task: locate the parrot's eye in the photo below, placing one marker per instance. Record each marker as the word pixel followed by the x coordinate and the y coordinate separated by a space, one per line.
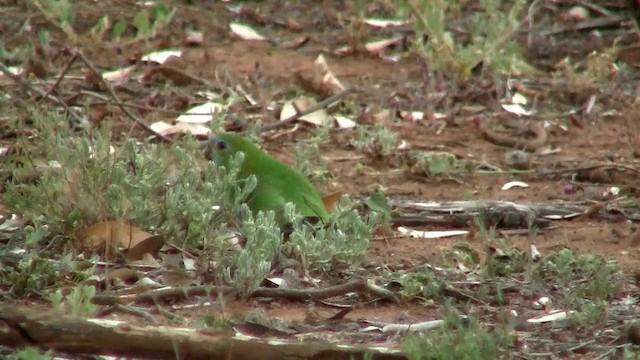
pixel 221 144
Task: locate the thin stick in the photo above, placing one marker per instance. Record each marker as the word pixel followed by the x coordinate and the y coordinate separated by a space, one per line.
pixel 59 79
pixel 321 105
pixel 5 70
pixel 129 114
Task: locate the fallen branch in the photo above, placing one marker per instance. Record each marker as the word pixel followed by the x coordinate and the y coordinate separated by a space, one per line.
pixel 21 326
pixel 115 97
pixel 165 294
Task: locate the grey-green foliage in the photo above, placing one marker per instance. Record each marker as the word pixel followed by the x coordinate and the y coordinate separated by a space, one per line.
pixel 30 353
pixel 246 268
pixel 571 269
pixel 344 239
pixel 459 338
pixel 423 284
pixel 376 140
pixel 34 268
pixel 489 27
pixel 85 179
pixel 78 301
pixel 159 188
pixel 309 150
pixel 435 163
pixel 204 202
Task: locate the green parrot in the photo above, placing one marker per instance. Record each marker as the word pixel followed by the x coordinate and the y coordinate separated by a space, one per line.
pixel 277 182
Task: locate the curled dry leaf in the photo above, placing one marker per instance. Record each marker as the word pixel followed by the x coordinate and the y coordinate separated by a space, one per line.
pixel 161 56
pixel 166 129
pixel 194 38
pixel 383 23
pixel 125 275
pixel 319 117
pixel 113 234
pixel 430 234
pixel 163 128
pixel 512 184
pixel 330 200
pixel 329 79
pixel 151 245
pixel 344 122
pixel 379 45
pixel 200 114
pixel 120 76
pixel 552 316
pixel 517 109
pixel 245 32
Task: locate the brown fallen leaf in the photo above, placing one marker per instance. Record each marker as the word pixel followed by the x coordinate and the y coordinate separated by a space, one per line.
pixel 150 245
pixel 125 275
pixel 113 234
pixel 330 200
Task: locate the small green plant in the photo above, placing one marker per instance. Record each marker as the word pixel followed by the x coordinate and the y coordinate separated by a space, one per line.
pixel 424 285
pixel 433 163
pixel 603 278
pixel 84 180
pixel 147 22
pixel 59 12
pixel 78 301
pixel 376 140
pixel 379 203
pixel 30 353
pixel 459 338
pixel 344 240
pixel 218 323
pixel 489 43
pixel 34 269
pixel 308 151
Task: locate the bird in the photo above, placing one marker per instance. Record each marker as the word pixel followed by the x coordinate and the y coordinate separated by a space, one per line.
pixel 277 182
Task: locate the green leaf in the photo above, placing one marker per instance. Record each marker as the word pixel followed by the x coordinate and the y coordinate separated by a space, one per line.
pixel 141 22
pixel 118 29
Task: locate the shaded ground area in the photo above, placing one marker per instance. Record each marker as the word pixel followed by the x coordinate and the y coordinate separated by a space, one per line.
pixel 583 97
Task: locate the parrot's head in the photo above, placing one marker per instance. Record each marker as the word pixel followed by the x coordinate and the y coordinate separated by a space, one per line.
pixel 221 148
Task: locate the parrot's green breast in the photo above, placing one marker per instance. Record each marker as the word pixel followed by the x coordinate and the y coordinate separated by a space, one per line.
pixel 277 182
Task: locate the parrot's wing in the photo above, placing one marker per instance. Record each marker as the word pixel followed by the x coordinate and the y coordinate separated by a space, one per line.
pixel 317 207
pixel 262 200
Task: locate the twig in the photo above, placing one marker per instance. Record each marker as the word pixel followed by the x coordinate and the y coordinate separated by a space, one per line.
pixel 5 70
pixel 591 167
pixel 362 286
pixel 136 312
pixel 166 313
pixel 588 25
pixel 108 100
pixel 59 79
pixel 115 97
pixel 611 351
pixel 321 105
pixel 67 30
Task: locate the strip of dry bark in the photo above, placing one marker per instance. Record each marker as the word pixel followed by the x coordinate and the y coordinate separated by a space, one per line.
pixel 21 326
